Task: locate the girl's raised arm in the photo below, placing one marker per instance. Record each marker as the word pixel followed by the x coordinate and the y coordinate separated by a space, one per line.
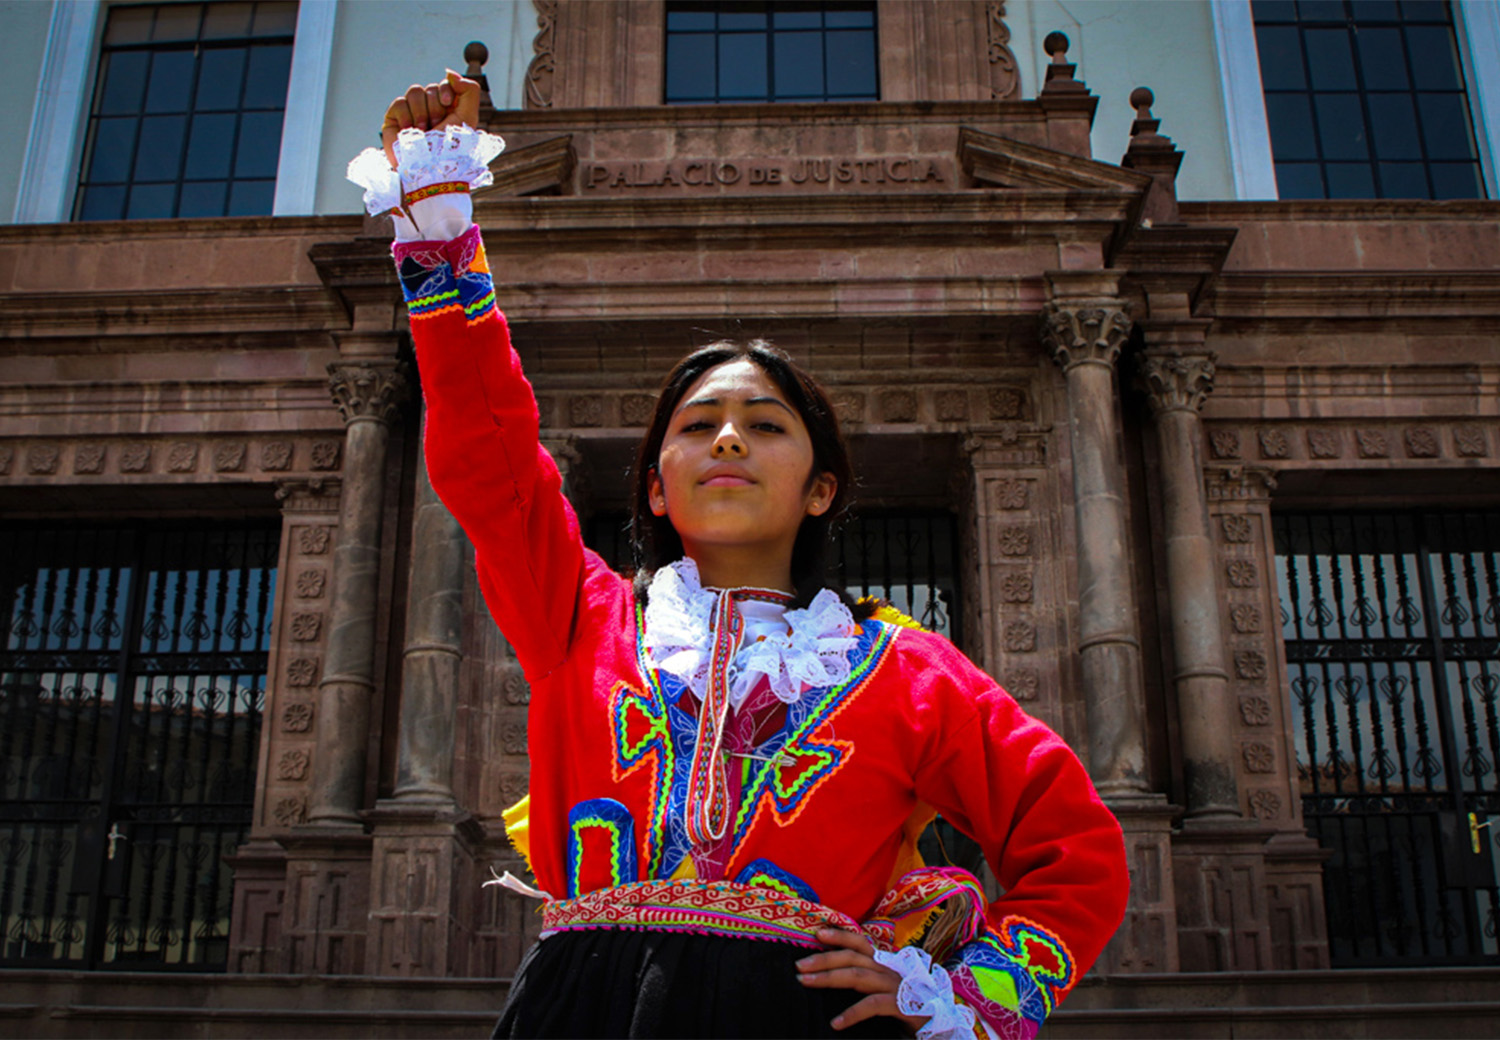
pixel 481 424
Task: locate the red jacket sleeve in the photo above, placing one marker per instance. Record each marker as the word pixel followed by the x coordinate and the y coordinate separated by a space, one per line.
pixel 1016 788
pixel 483 456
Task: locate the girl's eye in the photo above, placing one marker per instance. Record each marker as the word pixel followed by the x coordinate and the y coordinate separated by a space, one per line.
pixel 769 427
pixel 694 426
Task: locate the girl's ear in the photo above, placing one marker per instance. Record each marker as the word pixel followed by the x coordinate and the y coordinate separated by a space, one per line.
pixel 654 493
pixel 820 495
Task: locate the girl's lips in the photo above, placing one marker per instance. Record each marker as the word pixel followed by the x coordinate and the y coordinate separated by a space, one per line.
pixel 726 480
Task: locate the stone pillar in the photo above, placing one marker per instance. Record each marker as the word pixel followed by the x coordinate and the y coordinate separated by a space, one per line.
pixel 430 662
pixel 368 394
pixel 1177 384
pixel 1084 326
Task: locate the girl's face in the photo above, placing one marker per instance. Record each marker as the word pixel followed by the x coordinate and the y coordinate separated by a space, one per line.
pixel 735 470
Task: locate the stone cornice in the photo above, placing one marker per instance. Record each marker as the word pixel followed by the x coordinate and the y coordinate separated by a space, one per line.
pixel 1383 295
pixel 1011 115
pixel 1360 211
pixel 29 316
pixel 182 229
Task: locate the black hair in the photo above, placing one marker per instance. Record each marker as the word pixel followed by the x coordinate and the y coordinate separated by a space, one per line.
pixel 654 542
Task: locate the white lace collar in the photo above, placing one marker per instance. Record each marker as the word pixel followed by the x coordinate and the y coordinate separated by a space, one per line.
pixel 796 650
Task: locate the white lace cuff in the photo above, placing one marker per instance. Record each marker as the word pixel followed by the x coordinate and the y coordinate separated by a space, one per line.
pixel 453 155
pixel 927 990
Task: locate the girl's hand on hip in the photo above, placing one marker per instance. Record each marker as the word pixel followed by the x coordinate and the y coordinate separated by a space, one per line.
pixel 453 101
pixel 849 963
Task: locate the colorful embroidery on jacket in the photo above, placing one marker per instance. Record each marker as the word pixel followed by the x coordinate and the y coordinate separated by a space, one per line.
pixel 447 277
pixel 762 873
pixel 601 846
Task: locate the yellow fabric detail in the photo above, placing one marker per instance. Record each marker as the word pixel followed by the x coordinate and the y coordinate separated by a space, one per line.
pixel 685 870
pixel 518 827
pixel 891 616
pixel 909 858
pixel 999 987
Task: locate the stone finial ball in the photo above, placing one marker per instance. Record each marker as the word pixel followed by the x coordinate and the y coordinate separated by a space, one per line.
pixel 476 53
pixel 1056 43
pixel 1141 97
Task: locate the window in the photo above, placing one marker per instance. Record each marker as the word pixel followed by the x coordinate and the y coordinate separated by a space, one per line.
pixel 1366 99
pixel 186 118
pixel 736 52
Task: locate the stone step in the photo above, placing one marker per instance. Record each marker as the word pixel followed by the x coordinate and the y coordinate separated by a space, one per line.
pixel 1430 1002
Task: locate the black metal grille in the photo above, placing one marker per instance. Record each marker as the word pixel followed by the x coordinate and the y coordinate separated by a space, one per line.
pixel 132 677
pixel 1392 629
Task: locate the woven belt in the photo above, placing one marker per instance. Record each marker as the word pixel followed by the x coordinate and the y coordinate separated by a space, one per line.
pixel 702 907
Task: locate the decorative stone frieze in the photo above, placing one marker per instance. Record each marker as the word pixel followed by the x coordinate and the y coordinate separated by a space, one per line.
pixel 1007 402
pixel 513 737
pixel 1020 637
pixel 1469 441
pixel 310 583
pixel 1274 444
pixel 636 409
pixel 1372 444
pixel 898 406
pixel 1242 574
pixel 1259 757
pixel 293 764
pixel 1245 617
pixel 229 456
pixel 1324 443
pixel 1016 587
pixel 1255 711
pixel 325 455
pixel 314 541
pixel 1013 541
pixel 290 810
pixel 1011 494
pixel 849 405
pixel 1250 665
pixel 1266 805
pixel 1022 683
pixel 89 458
pixel 297 717
pixel 182 457
pixel 276 456
pixel 1422 443
pixel 302 671
pixel 951 405
pixel 7 458
pixel 586 410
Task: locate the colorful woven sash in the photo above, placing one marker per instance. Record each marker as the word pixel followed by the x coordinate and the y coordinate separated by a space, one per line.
pixel 708 808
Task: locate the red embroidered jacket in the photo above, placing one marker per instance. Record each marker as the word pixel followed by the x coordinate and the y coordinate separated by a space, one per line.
pixel 916 728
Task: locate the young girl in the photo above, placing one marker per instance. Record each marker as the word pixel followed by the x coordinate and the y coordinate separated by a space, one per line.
pixel 730 766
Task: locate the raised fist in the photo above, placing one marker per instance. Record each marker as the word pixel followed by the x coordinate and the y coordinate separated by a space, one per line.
pixel 452 102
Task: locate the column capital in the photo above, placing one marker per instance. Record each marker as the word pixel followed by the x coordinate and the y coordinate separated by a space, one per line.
pixel 1177 382
pixel 368 390
pixel 1085 331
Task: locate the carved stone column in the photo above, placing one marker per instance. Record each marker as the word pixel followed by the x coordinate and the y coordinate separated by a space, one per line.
pixel 1084 325
pixel 430 663
pixel 368 395
pixel 1177 384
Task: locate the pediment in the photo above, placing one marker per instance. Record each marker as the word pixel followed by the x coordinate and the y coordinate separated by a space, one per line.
pixel 543 168
pixel 1001 162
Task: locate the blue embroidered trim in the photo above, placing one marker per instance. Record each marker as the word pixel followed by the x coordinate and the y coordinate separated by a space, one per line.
pixel 615 820
pixel 762 873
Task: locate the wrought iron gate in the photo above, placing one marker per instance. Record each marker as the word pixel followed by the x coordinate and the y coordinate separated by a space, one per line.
pixel 132 675
pixel 1392 630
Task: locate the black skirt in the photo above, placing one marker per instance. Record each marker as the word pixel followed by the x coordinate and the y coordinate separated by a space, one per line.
pixel 610 982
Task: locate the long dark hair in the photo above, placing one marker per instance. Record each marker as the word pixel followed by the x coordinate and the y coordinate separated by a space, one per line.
pixel 654 542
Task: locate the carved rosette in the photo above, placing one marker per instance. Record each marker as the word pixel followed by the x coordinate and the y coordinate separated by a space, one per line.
pixel 1177 382
pixel 367 391
pixel 1087 333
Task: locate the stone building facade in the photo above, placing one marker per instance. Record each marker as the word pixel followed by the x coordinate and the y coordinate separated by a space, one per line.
pixel 1111 391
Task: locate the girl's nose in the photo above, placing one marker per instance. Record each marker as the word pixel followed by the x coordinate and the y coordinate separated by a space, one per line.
pixel 728 442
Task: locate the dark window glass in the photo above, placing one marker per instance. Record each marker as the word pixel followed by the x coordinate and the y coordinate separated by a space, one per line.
pixel 1346 83
pixel 187 111
pixel 770 51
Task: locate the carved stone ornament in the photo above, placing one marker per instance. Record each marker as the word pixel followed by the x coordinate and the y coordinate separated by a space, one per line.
pixel 297 717
pixel 513 787
pixel 848 405
pixel 1007 402
pixel 1225 444
pixel 1266 805
pixel 1259 758
pixel 1236 528
pixel 290 811
pixel 1274 444
pixel 517 690
pixel 293 764
pixel 301 671
pixel 1020 637
pixel 325 455
pixel 1373 444
pixel 1255 711
pixel 88 458
pixel 1080 334
pixel 543 67
pixel 276 456
pixel 898 406
pixel 1242 574
pixel 586 410
pixel 951 405
pixel 1324 444
pixel 310 583
pixel 1238 483
pixel 135 458
pixel 41 459
pixel 544 408
pixel 1250 664
pixel 1022 684
pixel 1005 79
pixel 367 390
pixel 182 457
pixel 1016 588
pixel 636 409
pixel 1422 443
pixel 306 624
pixel 513 737
pixel 1014 541
pixel 229 456
pixel 1176 382
pixel 1245 617
pixel 1468 441
pixel 7 458
pixel 313 541
pixel 1011 494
